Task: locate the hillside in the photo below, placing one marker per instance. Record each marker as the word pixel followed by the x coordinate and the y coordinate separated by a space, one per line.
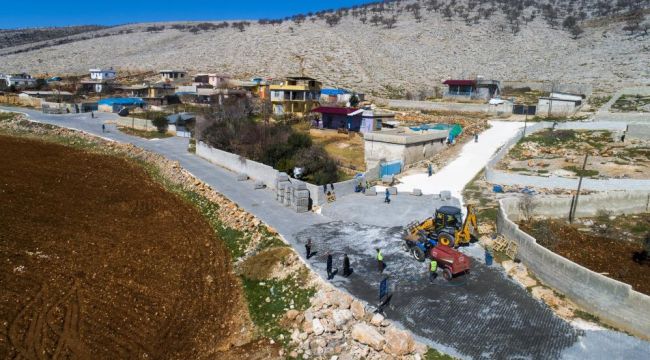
pixel 415 52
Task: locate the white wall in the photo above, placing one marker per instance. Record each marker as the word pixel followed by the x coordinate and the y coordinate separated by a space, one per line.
pixel 238 164
pixel 614 302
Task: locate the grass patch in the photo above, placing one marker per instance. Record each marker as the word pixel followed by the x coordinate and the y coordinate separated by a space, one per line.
pixel 518 169
pixel 550 137
pixel 586 316
pixel 145 134
pixel 597 102
pixel 542 171
pixel 268 300
pixel 433 354
pixel 487 215
pixel 640 228
pixel 580 172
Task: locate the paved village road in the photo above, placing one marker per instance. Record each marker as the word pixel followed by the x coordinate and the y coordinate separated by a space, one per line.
pixel 485 317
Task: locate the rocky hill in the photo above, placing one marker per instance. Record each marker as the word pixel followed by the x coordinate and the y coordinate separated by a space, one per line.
pixel 385 49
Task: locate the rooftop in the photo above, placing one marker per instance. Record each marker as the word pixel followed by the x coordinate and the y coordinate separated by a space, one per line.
pixel 334 110
pixel 460 82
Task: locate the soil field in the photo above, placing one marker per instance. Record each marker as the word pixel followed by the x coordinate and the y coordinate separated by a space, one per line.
pixel 100 262
pixel 611 256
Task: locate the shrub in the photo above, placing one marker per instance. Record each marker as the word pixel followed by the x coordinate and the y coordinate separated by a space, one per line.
pixel 160 122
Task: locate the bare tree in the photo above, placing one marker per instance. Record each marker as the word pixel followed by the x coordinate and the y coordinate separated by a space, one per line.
pixel 527 207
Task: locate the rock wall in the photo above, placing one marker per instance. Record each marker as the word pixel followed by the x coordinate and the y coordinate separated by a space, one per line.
pixel 613 301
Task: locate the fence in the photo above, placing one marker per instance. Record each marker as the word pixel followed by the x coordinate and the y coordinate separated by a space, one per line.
pixel 390 168
pixel 495 176
pixel 616 303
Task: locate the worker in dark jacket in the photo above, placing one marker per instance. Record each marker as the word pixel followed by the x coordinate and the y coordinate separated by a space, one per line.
pixel 330 274
pixel 387 198
pixel 346 265
pixel 433 270
pixel 308 248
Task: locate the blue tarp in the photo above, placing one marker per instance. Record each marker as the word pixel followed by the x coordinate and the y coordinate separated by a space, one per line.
pixel 333 91
pixel 121 101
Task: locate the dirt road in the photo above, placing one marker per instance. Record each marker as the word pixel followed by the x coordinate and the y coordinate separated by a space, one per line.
pixel 99 261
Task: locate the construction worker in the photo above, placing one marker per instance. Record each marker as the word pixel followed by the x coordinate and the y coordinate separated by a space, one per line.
pixel 330 275
pixel 387 198
pixel 92 114
pixel 324 188
pixel 433 268
pixel 430 170
pixel 476 137
pixel 380 260
pixel 103 128
pixel 308 248
pixel 346 265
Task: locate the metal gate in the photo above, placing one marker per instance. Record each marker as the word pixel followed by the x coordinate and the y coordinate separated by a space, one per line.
pixel 390 168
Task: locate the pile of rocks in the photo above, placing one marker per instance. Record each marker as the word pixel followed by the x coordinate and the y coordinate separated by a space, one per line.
pixel 340 326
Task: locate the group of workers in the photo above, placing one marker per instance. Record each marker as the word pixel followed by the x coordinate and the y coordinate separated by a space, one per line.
pixel 347 270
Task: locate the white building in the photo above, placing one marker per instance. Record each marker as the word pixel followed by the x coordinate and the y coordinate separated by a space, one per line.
pixel 172 75
pixel 99 78
pixel 103 74
pixel 559 104
pixel 17 80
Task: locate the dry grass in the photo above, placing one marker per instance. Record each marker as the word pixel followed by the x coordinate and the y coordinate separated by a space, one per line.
pixel 347 149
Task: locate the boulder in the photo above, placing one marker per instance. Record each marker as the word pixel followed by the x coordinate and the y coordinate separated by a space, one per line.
pixel 341 317
pixel 291 314
pixel 308 327
pixel 343 301
pixel 416 192
pixel 377 319
pixel 368 335
pixel 398 342
pixel 317 327
pixel 358 310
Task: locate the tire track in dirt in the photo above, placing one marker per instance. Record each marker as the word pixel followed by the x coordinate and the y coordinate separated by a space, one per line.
pixel 103 263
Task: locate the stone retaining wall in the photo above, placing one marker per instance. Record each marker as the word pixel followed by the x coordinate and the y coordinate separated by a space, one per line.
pixel 611 300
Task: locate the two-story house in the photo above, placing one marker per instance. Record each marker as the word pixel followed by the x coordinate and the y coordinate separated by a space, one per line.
pixel 99 80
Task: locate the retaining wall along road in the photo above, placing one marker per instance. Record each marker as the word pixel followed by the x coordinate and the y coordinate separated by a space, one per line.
pixel 268 175
pixel 495 176
pixel 238 164
pixel 616 303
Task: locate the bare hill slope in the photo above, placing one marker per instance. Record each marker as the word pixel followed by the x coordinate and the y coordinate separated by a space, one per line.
pixel 416 53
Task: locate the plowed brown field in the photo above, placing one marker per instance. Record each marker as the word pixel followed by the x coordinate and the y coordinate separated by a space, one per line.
pixel 98 261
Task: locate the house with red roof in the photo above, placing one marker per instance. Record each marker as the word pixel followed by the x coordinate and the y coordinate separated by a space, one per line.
pixel 472 89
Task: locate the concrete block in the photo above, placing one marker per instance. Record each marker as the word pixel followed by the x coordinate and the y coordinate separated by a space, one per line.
pixel 392 190
pixel 388 179
pixel 283 177
pixel 445 195
pixel 259 185
pixel 242 177
pixel 371 192
pixel 299 185
pixel 416 192
pixel 299 194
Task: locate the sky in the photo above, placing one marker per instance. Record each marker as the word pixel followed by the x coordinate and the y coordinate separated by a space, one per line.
pixel 44 13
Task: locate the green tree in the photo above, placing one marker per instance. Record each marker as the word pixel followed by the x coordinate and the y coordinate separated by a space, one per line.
pixel 160 122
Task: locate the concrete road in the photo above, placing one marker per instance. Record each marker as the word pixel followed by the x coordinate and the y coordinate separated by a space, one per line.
pixel 486 316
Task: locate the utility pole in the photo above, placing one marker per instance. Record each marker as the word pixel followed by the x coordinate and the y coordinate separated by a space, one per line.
pixel 550 99
pixel 525 122
pixel 575 203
